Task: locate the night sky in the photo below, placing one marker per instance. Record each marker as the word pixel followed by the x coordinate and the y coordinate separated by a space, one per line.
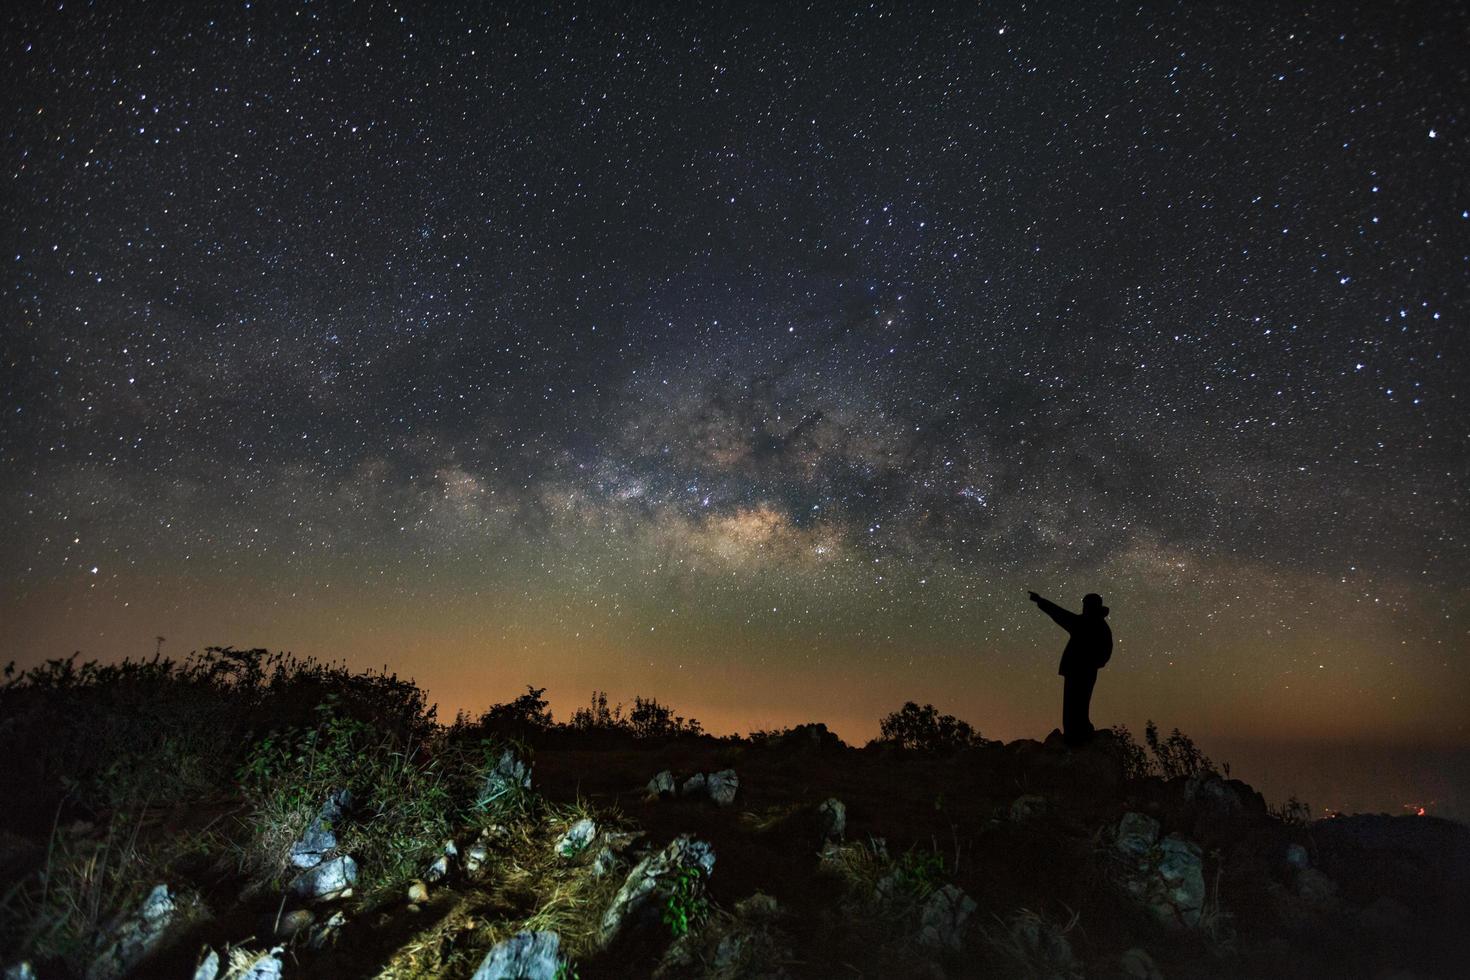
pixel 756 358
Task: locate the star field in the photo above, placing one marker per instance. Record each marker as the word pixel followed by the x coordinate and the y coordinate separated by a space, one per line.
pixel 760 358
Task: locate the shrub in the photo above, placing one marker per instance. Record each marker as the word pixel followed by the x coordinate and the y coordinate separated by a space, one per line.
pixel 525 715
pixel 408 795
pixel 1176 755
pixel 597 717
pixel 649 719
pixel 163 731
pixel 1136 764
pixel 925 729
pixel 1293 813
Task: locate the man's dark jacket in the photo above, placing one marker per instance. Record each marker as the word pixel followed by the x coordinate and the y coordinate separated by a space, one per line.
pixel 1091 641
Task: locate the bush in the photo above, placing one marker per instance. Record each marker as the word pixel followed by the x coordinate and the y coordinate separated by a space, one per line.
pixel 925 729
pixel 1176 755
pixel 408 795
pixel 524 716
pixel 649 719
pixel 1136 764
pixel 162 731
pixel 597 717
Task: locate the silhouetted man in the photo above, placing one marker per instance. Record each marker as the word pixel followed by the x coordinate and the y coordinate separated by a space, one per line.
pixel 1089 647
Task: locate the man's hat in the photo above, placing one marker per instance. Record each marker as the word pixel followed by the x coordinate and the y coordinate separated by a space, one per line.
pixel 1092 599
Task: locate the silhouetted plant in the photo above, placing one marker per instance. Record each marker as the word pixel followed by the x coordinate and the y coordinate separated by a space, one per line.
pixel 925 729
pixel 1136 764
pixel 164 730
pixel 650 719
pixel 526 714
pixel 1293 812
pixel 597 716
pixel 1176 755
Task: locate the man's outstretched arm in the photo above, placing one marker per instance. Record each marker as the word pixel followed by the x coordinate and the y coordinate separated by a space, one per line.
pixel 1063 618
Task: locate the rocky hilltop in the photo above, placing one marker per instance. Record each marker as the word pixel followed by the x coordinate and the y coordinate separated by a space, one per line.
pixel 560 853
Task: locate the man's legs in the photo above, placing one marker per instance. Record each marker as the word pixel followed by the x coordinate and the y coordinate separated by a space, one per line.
pixel 1076 700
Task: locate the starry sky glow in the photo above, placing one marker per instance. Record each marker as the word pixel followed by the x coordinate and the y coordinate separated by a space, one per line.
pixel 759 357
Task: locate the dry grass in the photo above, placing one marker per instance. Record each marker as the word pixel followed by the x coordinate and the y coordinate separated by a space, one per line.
pixel 527 886
pixel 1028 946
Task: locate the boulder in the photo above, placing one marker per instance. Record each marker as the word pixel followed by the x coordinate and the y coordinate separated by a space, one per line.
pixel 650 882
pixel 1221 811
pixel 722 786
pixel 814 738
pixel 1165 876
pixel 1297 857
pixel 510 777
pixel 718 786
pixel 24 971
pixel 942 918
pixel 577 838
pixel 320 838
pixel 524 956
pixel 1137 833
pixel 267 967
pixel 133 938
pixel 661 785
pixel 1040 949
pixel 327 881
pixel 1170 882
pixel 264 966
pixel 832 819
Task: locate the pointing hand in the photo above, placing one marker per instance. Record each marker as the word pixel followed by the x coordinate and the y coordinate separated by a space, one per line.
pixel 1034 597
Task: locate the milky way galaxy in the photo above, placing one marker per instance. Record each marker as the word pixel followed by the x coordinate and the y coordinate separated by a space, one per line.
pixel 758 358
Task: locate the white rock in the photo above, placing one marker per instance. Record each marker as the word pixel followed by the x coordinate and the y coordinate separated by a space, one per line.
pixel 320 838
pixel 268 967
pixel 510 776
pixel 722 786
pixel 324 934
pixel 1137 833
pixel 832 814
pixel 135 937
pixel 524 956
pixel 328 880
pixel 577 838
pixel 651 880
pixel 942 918
pixel 662 784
